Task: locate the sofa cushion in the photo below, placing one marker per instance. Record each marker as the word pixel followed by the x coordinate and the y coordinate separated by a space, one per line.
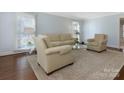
pixel 68 42
pixel 58 40
pixel 64 37
pixel 54 37
pixel 47 42
pixel 57 43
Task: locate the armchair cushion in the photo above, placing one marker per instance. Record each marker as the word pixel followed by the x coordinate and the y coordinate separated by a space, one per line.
pixel 99 37
pixel 93 43
pixel 102 42
pixel 90 40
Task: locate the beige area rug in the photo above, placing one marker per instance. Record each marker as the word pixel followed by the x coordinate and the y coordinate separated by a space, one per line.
pixel 89 65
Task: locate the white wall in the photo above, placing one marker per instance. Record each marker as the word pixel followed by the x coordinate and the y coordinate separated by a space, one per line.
pixel 52 24
pixel 45 24
pixel 106 25
pixel 7 31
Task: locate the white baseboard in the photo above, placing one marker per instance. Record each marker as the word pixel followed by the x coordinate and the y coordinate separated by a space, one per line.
pixel 4 53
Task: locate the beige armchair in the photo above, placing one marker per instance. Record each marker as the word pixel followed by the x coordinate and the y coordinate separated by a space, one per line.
pixel 99 43
pixel 51 59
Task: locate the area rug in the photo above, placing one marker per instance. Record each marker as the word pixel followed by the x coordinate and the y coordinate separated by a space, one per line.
pixel 88 65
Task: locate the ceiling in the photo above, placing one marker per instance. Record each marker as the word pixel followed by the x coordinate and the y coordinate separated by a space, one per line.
pixel 82 15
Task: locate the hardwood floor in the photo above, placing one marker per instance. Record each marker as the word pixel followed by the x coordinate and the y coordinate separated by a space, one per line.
pixel 15 67
pixel 120 75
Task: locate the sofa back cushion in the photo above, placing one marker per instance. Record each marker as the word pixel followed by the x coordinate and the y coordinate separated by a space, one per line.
pixel 53 40
pixel 47 42
pixel 53 37
pixel 65 37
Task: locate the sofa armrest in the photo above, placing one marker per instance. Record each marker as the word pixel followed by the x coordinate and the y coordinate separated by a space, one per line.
pixel 60 49
pixel 52 50
pixel 75 39
pixel 90 40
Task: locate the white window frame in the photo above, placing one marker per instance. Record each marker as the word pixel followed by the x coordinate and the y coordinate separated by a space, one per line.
pixel 26 15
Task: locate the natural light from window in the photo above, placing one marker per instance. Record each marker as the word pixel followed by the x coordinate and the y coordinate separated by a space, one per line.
pixel 25 31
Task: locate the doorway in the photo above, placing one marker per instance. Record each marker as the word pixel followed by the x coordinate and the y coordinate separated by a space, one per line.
pixel 121 33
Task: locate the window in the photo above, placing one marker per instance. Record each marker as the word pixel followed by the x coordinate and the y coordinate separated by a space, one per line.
pixel 76 30
pixel 25 31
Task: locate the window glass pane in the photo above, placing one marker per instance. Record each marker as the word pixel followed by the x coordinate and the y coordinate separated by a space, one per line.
pixel 75 29
pixel 25 31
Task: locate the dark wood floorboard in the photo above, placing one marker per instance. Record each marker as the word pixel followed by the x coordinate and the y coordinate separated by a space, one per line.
pixel 15 67
pixel 120 75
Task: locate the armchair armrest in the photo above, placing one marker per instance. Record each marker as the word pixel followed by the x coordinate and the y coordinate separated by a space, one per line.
pixel 103 42
pixel 90 40
pixel 59 49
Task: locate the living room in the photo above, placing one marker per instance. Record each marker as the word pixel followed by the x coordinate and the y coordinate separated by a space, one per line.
pixel 66 31
pixel 61 46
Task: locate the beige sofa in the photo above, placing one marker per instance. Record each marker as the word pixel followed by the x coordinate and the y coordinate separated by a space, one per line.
pixel 51 59
pixel 54 40
pixel 99 43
